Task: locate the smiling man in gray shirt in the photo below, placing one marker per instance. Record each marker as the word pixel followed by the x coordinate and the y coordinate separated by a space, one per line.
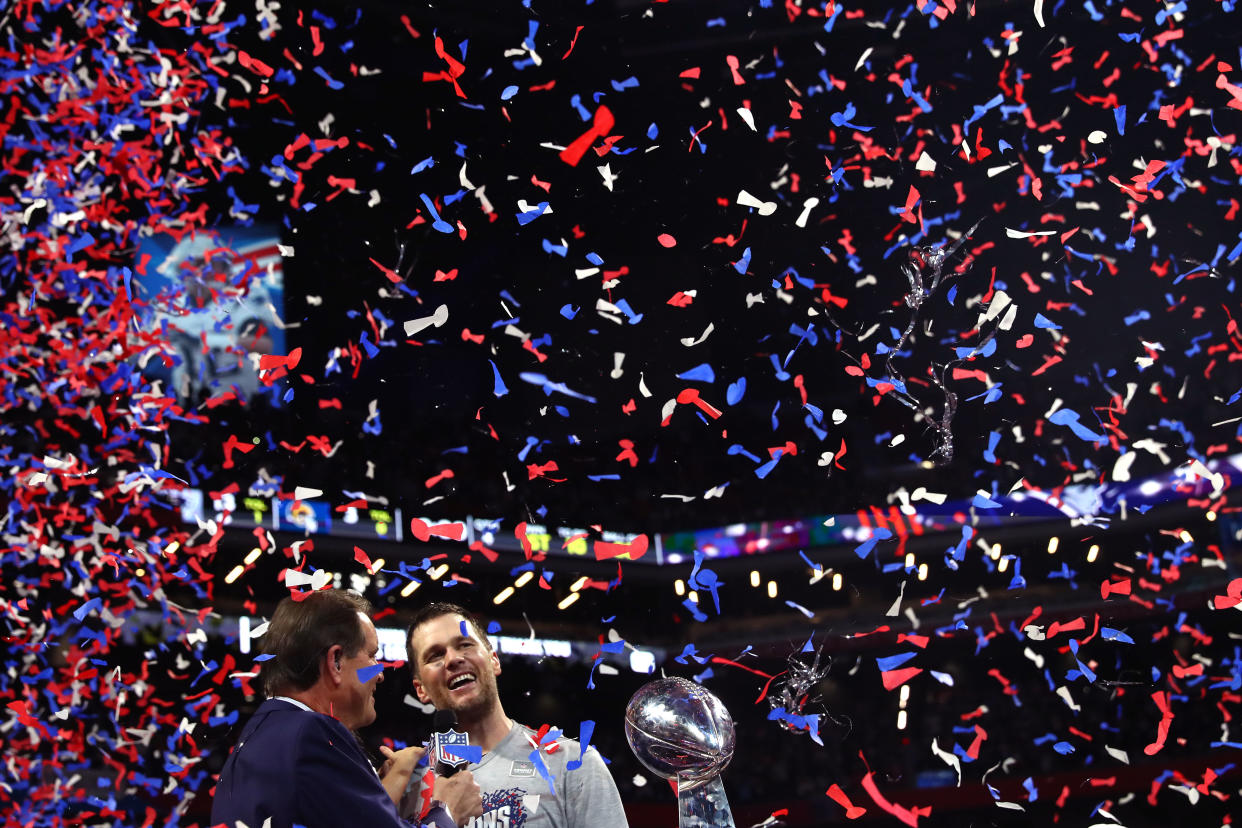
pixel 525 784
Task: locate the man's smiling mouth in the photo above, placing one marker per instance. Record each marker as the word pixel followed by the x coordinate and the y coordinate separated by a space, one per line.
pixel 461 681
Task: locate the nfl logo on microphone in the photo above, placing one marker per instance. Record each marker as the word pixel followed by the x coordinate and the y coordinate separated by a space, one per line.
pixel 448 747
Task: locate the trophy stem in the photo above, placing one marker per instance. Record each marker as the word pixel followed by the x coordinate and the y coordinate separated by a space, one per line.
pixel 703 806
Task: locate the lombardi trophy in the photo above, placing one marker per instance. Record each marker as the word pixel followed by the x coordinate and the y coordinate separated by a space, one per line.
pixel 680 731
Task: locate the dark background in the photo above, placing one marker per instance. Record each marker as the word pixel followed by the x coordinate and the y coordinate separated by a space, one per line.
pixel 1168 296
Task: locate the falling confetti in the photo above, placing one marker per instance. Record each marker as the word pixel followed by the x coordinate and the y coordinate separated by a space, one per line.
pixel 765 261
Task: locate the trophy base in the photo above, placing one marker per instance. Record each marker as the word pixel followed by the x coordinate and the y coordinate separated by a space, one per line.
pixel 704 806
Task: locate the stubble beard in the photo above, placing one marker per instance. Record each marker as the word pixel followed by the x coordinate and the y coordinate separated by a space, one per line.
pixel 478 708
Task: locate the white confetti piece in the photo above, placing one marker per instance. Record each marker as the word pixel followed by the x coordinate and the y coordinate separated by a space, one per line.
pixel 948 758
pixel 1026 234
pixel 609 178
pixel 807 207
pixel 925 163
pixel 1118 754
pixel 416 704
pixel 1000 301
pixel 1064 693
pixel 438 318
pixel 1097 136
pixel 525 207
pixel 765 208
pixel 931 497
pixel 306 493
pixel 1011 316
pixel 1121 469
pixel 746 116
pixel 690 341
pixel 895 609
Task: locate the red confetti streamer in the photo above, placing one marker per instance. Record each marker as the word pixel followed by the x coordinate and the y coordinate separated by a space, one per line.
pixel 601 124
pixel 852 811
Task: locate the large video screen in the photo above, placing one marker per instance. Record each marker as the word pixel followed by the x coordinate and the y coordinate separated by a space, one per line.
pixel 215 298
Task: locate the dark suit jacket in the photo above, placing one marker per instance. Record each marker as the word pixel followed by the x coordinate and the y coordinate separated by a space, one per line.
pixel 302 768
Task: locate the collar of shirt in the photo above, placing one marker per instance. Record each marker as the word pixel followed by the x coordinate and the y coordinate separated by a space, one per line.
pixel 293 702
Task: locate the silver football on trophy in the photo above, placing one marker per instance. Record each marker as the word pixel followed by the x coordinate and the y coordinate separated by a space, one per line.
pixel 679 730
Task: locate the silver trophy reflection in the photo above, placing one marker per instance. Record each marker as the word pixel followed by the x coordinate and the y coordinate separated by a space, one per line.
pixel 680 731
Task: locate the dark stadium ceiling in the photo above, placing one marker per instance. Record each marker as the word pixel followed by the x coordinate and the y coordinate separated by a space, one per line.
pixel 701 292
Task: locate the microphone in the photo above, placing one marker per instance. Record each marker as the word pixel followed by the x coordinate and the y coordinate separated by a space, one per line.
pixel 445 736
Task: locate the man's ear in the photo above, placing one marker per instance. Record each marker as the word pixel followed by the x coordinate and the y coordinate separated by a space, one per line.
pixel 495 663
pixel 333 662
pixel 421 693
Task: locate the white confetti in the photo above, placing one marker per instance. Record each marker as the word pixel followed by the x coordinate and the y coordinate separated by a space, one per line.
pixel 668 409
pixel 895 609
pixel 1121 469
pixel 608 177
pixel 1025 234
pixel 807 206
pixel 1064 693
pixel 438 318
pixel 765 208
pixel 1118 754
pixel 931 497
pixel 948 758
pixel 690 341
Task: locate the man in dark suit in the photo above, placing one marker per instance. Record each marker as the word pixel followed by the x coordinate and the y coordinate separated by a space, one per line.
pixel 298 761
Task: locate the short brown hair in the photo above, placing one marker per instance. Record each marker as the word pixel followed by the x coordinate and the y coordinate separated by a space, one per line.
pixel 302 631
pixel 432 611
